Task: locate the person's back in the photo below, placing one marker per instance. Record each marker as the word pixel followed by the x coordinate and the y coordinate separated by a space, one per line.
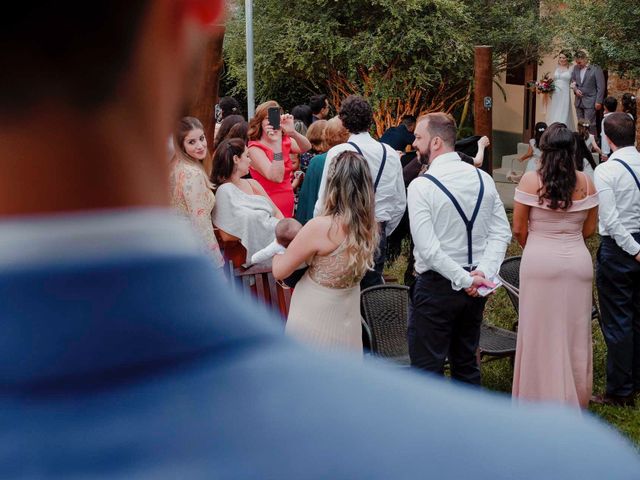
pixel 123 354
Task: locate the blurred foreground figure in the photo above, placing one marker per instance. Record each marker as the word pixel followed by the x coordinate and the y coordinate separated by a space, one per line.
pixel 123 355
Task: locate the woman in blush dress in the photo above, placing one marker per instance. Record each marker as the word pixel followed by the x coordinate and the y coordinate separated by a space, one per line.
pixel 555 209
pixel 338 246
pixel 560 106
pixel 191 191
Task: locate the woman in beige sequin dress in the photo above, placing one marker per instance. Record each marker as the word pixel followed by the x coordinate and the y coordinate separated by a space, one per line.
pixel 339 247
pixel 191 191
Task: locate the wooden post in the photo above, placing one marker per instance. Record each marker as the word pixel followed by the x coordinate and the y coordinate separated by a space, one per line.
pixel 206 85
pixel 483 98
pixel 529 120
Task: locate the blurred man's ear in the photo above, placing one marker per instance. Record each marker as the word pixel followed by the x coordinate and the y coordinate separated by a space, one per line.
pixel 205 12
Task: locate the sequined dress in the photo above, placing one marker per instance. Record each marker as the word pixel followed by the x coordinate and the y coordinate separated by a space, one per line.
pixel 325 306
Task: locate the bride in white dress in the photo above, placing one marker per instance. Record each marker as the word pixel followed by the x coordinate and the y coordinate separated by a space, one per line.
pixel 560 105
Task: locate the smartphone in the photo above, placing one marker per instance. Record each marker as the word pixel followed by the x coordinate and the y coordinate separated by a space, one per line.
pixel 274 117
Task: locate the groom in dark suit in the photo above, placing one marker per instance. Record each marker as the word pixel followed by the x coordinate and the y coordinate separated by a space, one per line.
pixel 589 86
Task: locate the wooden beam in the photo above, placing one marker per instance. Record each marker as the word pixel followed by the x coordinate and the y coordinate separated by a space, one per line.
pixel 483 98
pixel 206 85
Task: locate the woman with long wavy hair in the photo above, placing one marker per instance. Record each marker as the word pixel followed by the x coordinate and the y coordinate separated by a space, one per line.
pixel 339 247
pixel 191 191
pixel 555 209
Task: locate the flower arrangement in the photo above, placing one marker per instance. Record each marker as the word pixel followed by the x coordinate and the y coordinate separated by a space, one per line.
pixel 545 85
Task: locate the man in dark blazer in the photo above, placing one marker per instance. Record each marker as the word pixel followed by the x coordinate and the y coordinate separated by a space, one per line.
pixel 123 354
pixel 587 82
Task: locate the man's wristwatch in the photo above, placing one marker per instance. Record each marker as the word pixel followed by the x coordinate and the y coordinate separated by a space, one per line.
pixel 277 156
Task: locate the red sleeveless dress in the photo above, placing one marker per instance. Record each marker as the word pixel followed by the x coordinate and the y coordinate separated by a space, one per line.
pixel 280 193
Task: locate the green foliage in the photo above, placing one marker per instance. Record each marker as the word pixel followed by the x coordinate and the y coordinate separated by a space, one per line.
pixel 406 56
pixel 607 29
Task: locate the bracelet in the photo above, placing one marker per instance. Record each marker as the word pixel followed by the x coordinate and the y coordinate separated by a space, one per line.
pixel 277 156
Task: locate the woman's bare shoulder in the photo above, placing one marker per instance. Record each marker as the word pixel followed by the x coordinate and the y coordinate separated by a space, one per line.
pixel 529 183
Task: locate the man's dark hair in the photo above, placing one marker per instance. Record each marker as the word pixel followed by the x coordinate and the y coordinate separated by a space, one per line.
pixel 317 103
pixel 48 53
pixel 302 113
pixel 408 120
pixel 611 104
pixel 580 54
pixel 441 125
pixel 229 106
pixel 356 114
pixel 620 129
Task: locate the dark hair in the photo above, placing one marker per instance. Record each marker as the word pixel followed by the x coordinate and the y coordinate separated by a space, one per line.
pixel 239 130
pixel 629 105
pixel 565 52
pixel 611 104
pixel 229 106
pixel 223 164
pixel 582 152
pixel 557 167
pixel 539 129
pixel 441 125
pixel 47 54
pixel 225 127
pixel 620 129
pixel 408 120
pixel 356 114
pixel 302 113
pixel 317 103
pixel 580 54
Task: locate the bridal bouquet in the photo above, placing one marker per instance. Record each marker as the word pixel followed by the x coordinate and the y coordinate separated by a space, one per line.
pixel 545 87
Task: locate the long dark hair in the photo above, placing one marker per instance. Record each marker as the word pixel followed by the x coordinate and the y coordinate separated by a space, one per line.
pixel 557 167
pixel 225 127
pixel 223 164
pixel 582 152
pixel 629 105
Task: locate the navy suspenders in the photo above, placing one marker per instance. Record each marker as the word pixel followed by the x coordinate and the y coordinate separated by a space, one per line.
pixel 468 223
pixel 626 165
pixel 384 160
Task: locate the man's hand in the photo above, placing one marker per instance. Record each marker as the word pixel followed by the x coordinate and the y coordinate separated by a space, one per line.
pixel 578 92
pixel 478 281
pixel 598 106
pixel 637 257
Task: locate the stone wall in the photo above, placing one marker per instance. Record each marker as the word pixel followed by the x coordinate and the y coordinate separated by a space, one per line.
pixel 616 86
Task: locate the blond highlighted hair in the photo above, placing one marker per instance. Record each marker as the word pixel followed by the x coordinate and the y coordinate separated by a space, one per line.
pixel 350 197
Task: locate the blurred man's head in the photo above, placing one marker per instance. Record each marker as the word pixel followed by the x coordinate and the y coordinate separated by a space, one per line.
pixel 409 121
pixel 435 135
pixel 356 114
pixel 319 105
pixel 111 73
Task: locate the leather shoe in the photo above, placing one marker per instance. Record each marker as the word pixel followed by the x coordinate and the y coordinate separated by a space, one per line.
pixel 614 400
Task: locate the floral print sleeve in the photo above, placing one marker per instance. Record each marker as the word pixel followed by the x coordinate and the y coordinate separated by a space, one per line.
pixel 193 197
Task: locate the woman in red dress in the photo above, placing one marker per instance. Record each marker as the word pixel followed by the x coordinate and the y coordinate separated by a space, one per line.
pixel 269 150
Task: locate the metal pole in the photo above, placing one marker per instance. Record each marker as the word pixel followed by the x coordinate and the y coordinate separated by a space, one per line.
pixel 251 103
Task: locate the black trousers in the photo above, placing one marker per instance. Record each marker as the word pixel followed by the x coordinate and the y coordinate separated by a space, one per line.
pixel 374 277
pixel 618 282
pixel 444 323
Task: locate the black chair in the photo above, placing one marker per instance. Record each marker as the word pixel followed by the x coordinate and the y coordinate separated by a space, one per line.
pixel 385 316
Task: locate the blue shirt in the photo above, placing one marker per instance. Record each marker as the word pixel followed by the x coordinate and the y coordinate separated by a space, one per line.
pixel 124 361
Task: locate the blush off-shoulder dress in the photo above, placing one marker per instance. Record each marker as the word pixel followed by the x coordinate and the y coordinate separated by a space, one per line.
pixel 554 347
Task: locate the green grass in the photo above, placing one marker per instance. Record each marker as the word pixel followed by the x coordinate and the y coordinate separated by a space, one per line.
pixel 497 375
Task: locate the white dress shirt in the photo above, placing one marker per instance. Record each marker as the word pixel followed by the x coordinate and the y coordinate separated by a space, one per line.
pixel 619 211
pixel 604 143
pixel 438 231
pixel 391 199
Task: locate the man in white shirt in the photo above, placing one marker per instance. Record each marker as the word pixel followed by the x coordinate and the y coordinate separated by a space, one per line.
pixel 618 263
pixel 461 232
pixel 386 171
pixel 610 106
